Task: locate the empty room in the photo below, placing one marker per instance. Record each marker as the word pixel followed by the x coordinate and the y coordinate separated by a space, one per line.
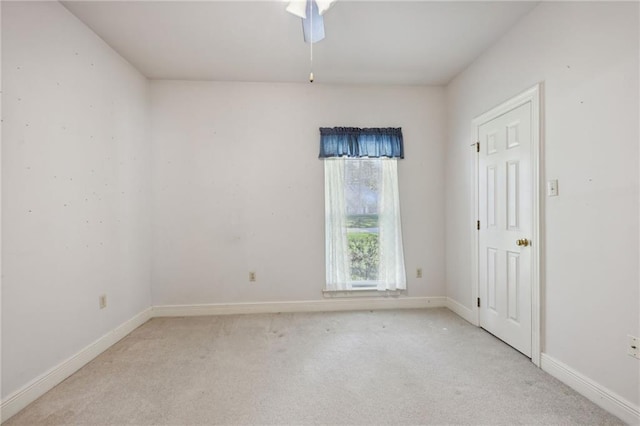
pixel 320 212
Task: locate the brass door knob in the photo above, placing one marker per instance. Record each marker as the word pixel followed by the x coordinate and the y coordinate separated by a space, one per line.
pixel 523 242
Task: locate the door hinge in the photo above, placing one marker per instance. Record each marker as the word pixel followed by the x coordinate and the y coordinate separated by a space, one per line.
pixel 478 225
pixel 477 146
pixel 478 302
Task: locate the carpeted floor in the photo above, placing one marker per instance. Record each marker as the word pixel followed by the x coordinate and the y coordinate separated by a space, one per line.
pixel 371 367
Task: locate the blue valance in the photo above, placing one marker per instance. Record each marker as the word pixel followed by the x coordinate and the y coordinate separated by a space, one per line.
pixel 356 142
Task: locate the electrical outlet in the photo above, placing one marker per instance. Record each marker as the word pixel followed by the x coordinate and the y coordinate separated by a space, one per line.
pixel 419 273
pixel 103 301
pixel 632 346
pixel 252 276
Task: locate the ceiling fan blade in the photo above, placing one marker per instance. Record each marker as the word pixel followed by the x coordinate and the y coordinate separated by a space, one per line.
pixel 313 24
pixel 298 8
pixel 324 5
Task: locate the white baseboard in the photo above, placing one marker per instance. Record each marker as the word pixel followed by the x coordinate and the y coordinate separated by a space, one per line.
pixel 463 311
pixel 351 304
pixel 36 388
pixel 605 398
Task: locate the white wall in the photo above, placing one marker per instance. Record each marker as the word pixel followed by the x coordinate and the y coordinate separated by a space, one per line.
pixel 75 189
pixel 238 186
pixel 587 56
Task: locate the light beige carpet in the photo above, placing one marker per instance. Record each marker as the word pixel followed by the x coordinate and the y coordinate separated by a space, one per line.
pixel 372 367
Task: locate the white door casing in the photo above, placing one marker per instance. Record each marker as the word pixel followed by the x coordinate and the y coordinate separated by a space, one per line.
pixel 507 205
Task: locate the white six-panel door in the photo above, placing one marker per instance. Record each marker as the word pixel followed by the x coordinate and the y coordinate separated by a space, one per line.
pixel 505 199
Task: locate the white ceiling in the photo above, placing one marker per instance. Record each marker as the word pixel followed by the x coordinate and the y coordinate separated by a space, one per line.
pixel 367 42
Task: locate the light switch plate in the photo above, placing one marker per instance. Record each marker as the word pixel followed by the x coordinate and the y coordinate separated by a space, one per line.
pixel 552 188
pixel 632 346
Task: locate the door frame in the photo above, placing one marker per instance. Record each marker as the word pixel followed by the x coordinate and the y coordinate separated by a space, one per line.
pixel 534 95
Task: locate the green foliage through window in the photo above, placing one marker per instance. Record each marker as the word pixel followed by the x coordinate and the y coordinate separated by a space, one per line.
pixel 363 250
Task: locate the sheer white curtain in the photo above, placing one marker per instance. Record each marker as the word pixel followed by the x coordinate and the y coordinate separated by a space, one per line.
pixel 335 210
pixel 391 274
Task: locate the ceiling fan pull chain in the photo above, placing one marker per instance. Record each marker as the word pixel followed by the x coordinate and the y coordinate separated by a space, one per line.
pixel 310 41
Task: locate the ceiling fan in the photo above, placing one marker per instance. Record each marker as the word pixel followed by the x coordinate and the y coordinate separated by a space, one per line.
pixel 311 12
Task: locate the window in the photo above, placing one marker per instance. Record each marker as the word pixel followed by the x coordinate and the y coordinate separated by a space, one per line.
pixel 362 185
pixel 362 213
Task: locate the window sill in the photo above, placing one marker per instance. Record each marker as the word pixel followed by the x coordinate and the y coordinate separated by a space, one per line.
pixel 361 292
